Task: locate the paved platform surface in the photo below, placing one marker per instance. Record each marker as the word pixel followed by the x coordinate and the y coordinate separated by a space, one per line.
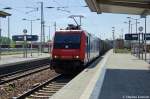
pixel 116 76
pixel 126 61
pixel 8 59
pixel 82 86
pixel 126 77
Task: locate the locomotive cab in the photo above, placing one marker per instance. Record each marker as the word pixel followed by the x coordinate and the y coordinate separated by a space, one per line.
pixel 73 48
pixel 68 50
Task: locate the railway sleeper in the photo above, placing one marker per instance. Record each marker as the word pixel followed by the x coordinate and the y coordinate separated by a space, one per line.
pixel 43 93
pixel 35 98
pixel 55 86
pixel 54 89
pixel 40 97
pixel 59 84
pixel 47 91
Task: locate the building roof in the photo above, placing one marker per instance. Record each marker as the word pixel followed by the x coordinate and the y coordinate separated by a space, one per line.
pixel 4 14
pixel 135 7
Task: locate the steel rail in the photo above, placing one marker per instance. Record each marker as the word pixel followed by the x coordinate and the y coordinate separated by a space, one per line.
pixel 23 75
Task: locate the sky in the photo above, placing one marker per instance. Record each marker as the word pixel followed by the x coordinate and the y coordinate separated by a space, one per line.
pixel 96 24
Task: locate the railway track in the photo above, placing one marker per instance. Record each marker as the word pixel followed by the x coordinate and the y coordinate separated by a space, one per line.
pixel 19 67
pixel 8 78
pixel 19 71
pixel 46 89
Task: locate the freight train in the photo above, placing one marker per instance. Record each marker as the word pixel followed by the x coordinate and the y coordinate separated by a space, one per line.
pixel 73 49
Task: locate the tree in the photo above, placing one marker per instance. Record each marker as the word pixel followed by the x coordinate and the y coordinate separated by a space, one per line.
pixel 5 40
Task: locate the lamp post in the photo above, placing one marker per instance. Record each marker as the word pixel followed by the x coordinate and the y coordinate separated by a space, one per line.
pixel 113 35
pixel 8 27
pixel 128 27
pixel 3 15
pixel 48 36
pixel 136 33
pixel 145 39
pixel 43 22
pixel 131 27
pixel 136 22
pixel 25 43
pixel 55 26
pixel 42 26
pixel 31 21
pixel 48 26
pixel 49 33
pixel 8 8
pixel 144 34
pixel 129 24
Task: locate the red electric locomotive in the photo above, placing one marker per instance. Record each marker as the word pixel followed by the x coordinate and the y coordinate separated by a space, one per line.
pixel 72 50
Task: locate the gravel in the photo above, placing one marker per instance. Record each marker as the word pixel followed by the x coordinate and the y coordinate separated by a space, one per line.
pixel 14 88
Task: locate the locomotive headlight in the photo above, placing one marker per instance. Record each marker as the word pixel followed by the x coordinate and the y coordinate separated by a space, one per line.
pixel 55 56
pixel 77 56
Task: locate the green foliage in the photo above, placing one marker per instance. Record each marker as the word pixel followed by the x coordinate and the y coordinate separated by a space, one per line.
pixel 122 50
pixel 12 44
pixel 5 40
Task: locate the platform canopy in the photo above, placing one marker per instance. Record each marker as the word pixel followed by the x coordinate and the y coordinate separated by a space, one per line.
pixel 4 14
pixel 135 7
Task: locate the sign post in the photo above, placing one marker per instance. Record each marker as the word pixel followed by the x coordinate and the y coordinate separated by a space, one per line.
pixel 131 37
pixel 24 38
pixel 145 40
pixel 141 38
pixel 140 29
pixel 25 43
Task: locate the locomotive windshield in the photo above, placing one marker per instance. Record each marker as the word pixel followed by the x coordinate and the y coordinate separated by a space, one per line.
pixel 67 41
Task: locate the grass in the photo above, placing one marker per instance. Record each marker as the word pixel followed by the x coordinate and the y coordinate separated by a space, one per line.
pixel 125 50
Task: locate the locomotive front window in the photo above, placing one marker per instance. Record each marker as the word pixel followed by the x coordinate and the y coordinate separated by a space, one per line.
pixel 68 41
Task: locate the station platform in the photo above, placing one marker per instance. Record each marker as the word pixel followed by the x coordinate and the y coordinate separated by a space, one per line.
pixel 116 76
pixel 18 58
pixel 126 77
